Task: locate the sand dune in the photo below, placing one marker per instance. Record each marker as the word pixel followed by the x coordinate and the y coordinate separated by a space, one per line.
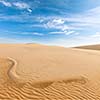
pixel 91 47
pixel 37 72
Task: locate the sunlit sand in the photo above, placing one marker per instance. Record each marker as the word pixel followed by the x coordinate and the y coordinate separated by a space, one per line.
pixel 40 72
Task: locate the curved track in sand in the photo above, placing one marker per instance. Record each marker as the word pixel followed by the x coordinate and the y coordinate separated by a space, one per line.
pixel 12 70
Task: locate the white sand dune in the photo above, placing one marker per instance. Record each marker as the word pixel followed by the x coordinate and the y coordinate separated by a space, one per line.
pixel 37 72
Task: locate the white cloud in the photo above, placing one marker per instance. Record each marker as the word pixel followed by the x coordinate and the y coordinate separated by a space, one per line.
pixel 89 19
pixel 22 5
pixel 57 23
pixel 54 22
pixel 95 10
pixel 5 3
pixel 75 41
pixel 19 5
pixel 70 32
pixel 39 34
pixel 56 32
pixel 65 32
pixel 97 35
pixel 34 33
pixel 29 9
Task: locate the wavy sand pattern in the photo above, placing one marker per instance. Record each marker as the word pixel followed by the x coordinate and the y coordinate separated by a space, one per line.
pixel 36 72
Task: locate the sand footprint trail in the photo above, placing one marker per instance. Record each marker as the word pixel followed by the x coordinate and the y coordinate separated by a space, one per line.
pixel 29 76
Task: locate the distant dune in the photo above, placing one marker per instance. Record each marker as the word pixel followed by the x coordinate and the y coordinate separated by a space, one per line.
pixel 92 47
pixel 38 72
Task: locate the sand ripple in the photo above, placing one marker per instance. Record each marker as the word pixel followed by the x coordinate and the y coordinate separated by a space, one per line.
pixel 78 88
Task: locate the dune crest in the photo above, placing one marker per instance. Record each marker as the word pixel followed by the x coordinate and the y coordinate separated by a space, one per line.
pixel 90 47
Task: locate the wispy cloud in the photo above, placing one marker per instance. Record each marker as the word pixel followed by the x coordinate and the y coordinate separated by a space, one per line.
pixel 76 41
pixel 88 19
pixel 58 23
pixel 22 5
pixel 65 32
pixel 19 5
pixel 32 33
pixel 38 34
pixel 96 35
pixel 5 3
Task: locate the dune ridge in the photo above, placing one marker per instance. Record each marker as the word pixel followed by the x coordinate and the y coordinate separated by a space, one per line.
pixel 54 77
pixel 90 47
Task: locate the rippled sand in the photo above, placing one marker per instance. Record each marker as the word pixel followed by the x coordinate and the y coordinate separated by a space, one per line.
pixel 37 72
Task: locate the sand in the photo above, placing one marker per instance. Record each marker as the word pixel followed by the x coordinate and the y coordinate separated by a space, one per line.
pixel 39 72
pixel 91 47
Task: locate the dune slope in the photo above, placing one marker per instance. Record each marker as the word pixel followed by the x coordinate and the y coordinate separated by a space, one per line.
pixel 91 47
pixel 37 72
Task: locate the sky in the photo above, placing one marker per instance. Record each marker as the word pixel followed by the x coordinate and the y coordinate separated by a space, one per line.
pixel 53 22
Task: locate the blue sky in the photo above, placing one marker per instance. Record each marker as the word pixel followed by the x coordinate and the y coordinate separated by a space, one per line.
pixel 53 22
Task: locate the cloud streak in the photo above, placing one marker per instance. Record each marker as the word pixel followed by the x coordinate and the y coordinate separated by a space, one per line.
pixel 96 35
pixel 5 3
pixel 19 5
pixel 65 32
pixel 22 5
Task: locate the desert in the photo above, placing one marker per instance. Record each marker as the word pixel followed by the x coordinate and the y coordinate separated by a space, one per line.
pixel 41 72
pixel 49 49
